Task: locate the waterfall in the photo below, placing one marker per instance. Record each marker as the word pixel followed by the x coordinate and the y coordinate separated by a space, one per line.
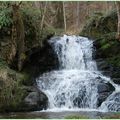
pixel 75 84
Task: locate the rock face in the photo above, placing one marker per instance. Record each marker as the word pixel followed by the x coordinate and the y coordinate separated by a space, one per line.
pixel 104 90
pixel 116 80
pixel 36 100
pixel 42 59
pixel 113 102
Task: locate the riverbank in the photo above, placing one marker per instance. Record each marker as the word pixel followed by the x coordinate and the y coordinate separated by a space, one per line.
pixel 60 115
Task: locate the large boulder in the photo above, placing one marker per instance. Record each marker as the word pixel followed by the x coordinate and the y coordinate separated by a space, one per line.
pixel 112 103
pixel 105 87
pixel 41 59
pixel 104 90
pixel 36 100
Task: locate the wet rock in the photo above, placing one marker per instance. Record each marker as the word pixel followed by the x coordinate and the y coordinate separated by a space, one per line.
pixel 116 80
pixel 55 38
pixel 104 90
pixel 103 65
pixel 36 100
pixel 113 102
pixel 105 87
pixel 102 97
pixel 42 60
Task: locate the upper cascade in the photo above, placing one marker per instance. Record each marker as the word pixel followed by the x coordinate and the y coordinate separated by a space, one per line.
pixel 74 52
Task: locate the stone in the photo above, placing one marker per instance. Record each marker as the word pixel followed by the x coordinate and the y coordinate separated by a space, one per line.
pixel 102 97
pixel 113 102
pixel 116 80
pixel 105 87
pixel 36 100
pixel 104 90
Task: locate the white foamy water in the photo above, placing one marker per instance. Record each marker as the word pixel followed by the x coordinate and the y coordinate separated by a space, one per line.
pixel 74 85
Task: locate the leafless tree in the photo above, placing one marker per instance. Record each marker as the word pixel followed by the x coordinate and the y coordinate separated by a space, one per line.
pixel 118 13
pixel 43 15
pixel 64 15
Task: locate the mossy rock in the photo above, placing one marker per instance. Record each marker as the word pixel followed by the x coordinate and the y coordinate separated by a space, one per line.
pixel 12 92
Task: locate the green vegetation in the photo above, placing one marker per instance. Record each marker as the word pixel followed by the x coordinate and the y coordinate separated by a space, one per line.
pixel 76 117
pixel 102 24
pixel 5 18
pixel 109 48
pixel 12 92
pixel 113 116
pixel 13 84
pixel 103 29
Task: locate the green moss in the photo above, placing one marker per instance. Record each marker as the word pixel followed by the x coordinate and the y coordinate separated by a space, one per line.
pixel 25 79
pixel 106 46
pixel 76 117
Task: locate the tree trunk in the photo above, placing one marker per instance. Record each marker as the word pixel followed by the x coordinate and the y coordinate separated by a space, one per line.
pixel 78 17
pixel 59 23
pixel 43 15
pixel 37 4
pixel 64 15
pixel 118 13
pixel 18 35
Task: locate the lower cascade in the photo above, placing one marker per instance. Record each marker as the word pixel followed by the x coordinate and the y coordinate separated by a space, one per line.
pixel 76 84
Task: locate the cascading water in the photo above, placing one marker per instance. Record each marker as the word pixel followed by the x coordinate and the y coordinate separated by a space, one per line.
pixel 75 84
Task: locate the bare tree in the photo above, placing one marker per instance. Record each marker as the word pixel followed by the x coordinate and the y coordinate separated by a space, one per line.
pixel 43 15
pixel 78 14
pixel 18 34
pixel 118 14
pixel 64 15
pixel 37 4
pixel 59 22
